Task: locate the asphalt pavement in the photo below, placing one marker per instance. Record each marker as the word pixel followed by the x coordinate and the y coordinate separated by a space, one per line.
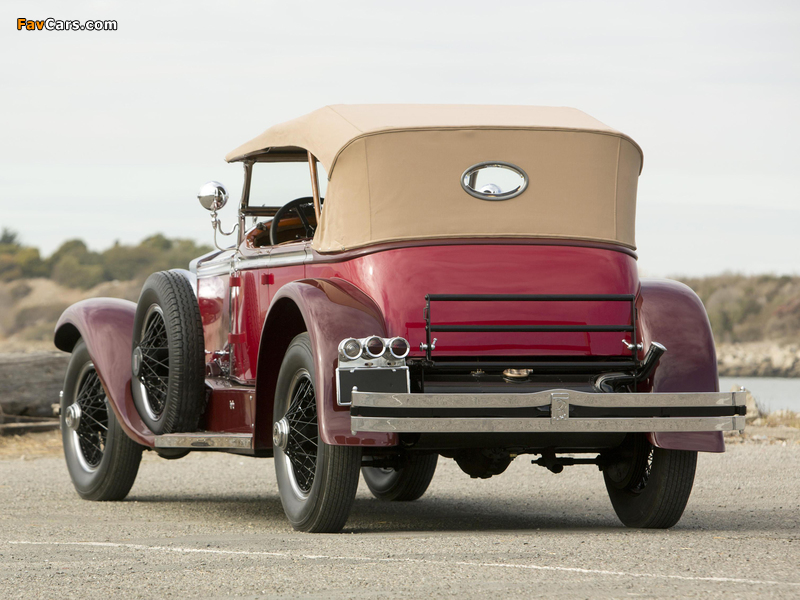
pixel 211 525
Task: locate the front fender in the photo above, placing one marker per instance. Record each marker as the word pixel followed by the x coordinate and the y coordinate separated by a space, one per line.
pixel 332 310
pixel 672 314
pixel 106 327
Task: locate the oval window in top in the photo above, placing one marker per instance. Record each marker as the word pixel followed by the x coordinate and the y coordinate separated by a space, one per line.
pixel 494 180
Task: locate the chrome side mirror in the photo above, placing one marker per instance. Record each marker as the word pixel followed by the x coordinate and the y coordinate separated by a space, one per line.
pixel 213 196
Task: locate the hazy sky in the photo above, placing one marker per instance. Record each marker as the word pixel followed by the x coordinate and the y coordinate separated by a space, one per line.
pixel 109 135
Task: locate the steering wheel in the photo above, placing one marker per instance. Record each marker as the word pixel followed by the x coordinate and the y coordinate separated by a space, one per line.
pixel 298 205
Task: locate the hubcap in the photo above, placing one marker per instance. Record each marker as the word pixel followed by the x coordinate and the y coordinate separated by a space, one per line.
pixel 72 418
pixel 280 434
pixel 136 361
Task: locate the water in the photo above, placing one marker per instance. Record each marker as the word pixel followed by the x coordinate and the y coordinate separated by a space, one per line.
pixel 771 393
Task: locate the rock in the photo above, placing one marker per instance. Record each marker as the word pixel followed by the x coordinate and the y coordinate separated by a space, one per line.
pixel 753 412
pixel 758 359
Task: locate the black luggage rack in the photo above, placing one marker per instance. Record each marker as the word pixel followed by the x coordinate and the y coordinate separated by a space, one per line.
pixel 621 363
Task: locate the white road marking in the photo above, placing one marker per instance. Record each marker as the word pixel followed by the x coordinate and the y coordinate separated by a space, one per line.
pixel 408 560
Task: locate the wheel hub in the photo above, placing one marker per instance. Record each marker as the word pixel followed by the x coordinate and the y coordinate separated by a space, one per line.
pixel 280 434
pixel 136 361
pixel 72 416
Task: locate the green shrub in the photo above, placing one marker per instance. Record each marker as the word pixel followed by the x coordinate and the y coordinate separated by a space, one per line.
pixel 69 272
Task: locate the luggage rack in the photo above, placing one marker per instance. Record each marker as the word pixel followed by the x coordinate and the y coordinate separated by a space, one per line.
pixel 619 363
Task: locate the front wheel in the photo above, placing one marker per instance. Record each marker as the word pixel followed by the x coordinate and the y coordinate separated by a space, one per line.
pixel 648 486
pixel 317 482
pixel 102 460
pixel 405 484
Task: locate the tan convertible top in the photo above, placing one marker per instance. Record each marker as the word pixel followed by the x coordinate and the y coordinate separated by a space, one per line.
pixel 395 172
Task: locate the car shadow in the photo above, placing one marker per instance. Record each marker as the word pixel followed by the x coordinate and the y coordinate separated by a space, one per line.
pixel 370 516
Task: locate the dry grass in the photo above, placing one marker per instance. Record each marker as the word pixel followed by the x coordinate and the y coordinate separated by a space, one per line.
pixel 31 445
pixel 779 418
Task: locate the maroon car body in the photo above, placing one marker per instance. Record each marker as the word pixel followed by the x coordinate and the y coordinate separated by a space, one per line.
pixel 522 312
pixel 322 290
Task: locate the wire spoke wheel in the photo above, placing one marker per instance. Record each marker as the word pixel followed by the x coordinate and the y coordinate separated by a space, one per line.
pixel 637 486
pixel 317 481
pixel 167 355
pixel 634 466
pixel 303 440
pixel 403 484
pixel 101 459
pixel 153 361
pixel 649 486
pixel 91 435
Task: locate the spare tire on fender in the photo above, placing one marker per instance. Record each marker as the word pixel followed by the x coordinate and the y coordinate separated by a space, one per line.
pixel 168 363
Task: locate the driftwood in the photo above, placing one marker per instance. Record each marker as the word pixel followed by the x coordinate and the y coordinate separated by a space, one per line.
pixel 30 383
pixel 20 428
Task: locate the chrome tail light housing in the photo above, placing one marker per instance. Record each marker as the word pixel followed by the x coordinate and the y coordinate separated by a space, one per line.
pixel 373 348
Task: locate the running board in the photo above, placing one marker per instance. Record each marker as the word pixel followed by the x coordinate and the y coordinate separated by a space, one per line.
pixel 201 440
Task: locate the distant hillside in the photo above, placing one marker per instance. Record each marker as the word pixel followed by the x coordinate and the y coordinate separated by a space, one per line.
pixel 34 291
pixel 73 265
pixel 751 308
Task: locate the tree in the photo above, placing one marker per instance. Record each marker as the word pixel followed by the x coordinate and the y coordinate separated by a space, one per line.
pixel 9 237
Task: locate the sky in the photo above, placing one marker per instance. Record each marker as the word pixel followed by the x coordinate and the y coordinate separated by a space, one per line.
pixel 108 135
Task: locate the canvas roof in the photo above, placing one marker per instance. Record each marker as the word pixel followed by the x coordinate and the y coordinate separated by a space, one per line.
pixel 326 132
pixel 395 172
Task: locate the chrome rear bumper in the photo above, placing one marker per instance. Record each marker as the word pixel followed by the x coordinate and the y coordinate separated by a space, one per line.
pixel 548 411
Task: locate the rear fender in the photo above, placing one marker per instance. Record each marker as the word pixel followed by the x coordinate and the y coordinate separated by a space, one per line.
pixel 330 310
pixel 673 315
pixel 106 327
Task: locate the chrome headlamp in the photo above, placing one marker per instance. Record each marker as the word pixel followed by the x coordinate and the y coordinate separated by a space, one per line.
pixel 350 348
pixel 374 347
pixel 399 347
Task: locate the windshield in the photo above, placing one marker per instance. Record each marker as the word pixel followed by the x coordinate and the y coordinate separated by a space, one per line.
pixel 275 184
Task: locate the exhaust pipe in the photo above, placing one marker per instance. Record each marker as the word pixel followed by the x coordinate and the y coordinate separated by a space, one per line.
pixel 654 354
pixel 609 382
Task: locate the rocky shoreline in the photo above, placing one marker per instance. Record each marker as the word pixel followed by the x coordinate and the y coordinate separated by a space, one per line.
pixel 758 359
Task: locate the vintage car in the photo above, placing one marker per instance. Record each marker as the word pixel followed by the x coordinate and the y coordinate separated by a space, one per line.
pixel 409 282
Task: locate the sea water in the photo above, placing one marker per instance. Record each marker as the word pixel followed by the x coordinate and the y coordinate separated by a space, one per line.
pixel 771 393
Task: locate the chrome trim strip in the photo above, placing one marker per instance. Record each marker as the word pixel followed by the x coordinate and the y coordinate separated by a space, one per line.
pixel 214 269
pixel 269 261
pixel 200 260
pixel 545 398
pixel 200 441
pixel 517 425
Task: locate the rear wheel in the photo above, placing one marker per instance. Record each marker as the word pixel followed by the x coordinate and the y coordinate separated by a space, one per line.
pixel 648 486
pixel 317 482
pixel 402 485
pixel 168 355
pixel 102 460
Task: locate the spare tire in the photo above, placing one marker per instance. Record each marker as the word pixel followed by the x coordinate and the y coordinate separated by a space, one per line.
pixel 167 357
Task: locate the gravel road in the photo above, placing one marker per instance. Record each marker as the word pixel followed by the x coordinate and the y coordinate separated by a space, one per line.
pixel 211 525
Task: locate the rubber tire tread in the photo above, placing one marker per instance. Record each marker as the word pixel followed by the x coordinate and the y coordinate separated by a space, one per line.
pixel 186 397
pixel 662 503
pixel 328 504
pixel 406 485
pixel 119 467
pixel 341 470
